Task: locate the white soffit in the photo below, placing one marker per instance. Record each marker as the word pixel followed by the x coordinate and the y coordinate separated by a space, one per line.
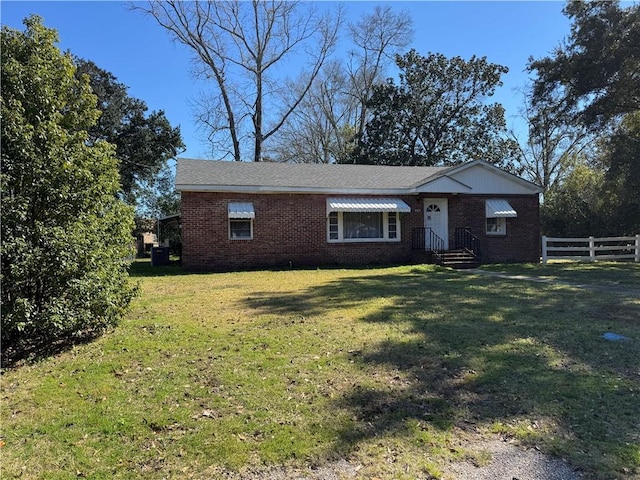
pixel 366 205
pixel 241 210
pixel 499 208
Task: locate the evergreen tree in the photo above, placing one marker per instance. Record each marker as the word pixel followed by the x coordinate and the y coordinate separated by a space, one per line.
pixel 436 115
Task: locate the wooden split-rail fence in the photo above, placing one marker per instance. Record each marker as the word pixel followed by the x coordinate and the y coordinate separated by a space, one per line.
pixel 591 248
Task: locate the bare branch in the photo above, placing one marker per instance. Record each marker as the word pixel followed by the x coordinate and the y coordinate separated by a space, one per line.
pixel 240 46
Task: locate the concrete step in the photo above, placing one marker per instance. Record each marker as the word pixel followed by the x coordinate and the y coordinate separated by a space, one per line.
pixel 459 259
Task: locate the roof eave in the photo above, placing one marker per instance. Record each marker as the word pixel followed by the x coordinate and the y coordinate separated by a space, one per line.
pixel 306 190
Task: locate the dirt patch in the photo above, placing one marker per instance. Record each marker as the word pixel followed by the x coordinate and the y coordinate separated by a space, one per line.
pixel 337 470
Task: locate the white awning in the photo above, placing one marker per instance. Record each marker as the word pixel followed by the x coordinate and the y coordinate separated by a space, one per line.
pixel 499 208
pixel 366 205
pixel 241 210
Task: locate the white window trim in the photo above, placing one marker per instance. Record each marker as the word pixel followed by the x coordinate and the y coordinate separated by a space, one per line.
pixel 385 229
pixel 502 227
pixel 250 220
pixel 498 209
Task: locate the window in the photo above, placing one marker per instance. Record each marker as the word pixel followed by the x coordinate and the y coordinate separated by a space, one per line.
pixel 364 219
pixel 496 226
pixel 241 215
pixel 333 226
pixel 240 229
pixel 497 211
pixel 363 226
pixel 393 225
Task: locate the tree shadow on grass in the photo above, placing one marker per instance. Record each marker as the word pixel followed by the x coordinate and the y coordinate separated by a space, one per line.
pixel 34 348
pixel 530 361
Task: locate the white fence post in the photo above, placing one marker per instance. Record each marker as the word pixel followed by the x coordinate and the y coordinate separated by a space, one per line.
pixel 544 249
pixel 592 249
pixel 637 252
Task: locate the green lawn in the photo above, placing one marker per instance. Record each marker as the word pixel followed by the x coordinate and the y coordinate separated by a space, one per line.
pixel 398 370
pixel 621 274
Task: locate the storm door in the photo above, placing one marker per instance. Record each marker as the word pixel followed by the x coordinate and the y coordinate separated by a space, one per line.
pixel 436 219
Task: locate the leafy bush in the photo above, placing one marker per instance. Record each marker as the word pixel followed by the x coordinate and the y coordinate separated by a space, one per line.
pixel 65 233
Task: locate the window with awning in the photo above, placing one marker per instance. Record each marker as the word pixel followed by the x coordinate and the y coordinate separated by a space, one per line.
pixel 499 209
pixel 367 205
pixel 364 219
pixel 241 210
pixel 496 213
pixel 241 215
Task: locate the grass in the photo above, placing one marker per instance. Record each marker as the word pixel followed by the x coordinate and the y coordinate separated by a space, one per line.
pixel 600 273
pixel 399 370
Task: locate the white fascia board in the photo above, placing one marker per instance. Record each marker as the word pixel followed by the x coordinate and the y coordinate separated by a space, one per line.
pixel 444 184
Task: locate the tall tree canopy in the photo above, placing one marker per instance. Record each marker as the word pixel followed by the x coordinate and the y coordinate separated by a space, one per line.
pixel 313 132
pixel 598 64
pixel 65 234
pixel 240 46
pixel 143 142
pixel 436 115
pixel 597 73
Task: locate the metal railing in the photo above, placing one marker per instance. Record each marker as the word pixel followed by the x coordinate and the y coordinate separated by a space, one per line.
pixel 436 244
pixel 465 240
pixel 426 239
pixel 418 238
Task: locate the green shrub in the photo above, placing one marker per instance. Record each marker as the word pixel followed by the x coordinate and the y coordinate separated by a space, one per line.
pixel 65 233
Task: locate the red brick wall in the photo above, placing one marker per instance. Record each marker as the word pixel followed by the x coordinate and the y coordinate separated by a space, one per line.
pixel 290 230
pixel 520 244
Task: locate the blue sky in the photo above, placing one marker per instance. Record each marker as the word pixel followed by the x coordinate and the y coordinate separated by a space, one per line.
pixel 142 56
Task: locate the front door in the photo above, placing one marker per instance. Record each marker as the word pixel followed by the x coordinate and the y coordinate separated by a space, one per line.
pixel 436 219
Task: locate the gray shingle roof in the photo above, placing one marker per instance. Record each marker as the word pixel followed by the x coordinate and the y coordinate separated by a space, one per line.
pixel 212 174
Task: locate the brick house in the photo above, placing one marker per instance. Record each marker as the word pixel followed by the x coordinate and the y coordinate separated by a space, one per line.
pixel 238 215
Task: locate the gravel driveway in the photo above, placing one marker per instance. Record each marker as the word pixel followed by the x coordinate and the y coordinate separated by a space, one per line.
pixel 510 462
pixel 507 461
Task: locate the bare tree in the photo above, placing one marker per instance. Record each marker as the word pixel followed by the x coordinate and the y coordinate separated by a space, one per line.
pixel 377 37
pixel 333 114
pixel 240 46
pixel 555 143
pixel 314 133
